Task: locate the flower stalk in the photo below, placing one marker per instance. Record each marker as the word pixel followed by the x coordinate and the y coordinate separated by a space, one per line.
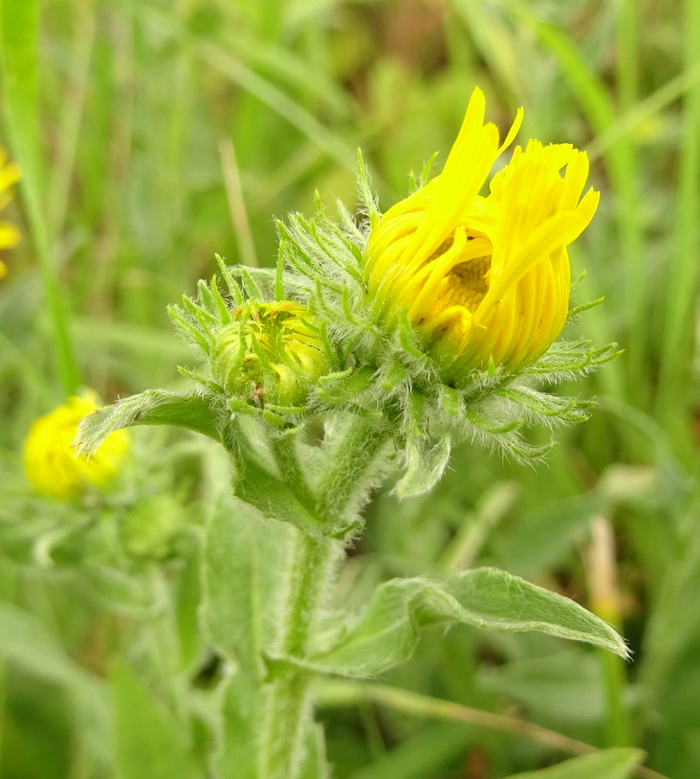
pixel 286 699
pixel 287 704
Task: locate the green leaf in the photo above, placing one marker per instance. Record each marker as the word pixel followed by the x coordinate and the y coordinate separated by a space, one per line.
pixel 450 400
pixel 121 591
pixel 20 26
pixel 314 764
pixel 148 740
pixel 426 462
pixel 393 376
pixel 565 688
pixel 368 197
pixel 25 641
pixel 255 485
pixel 492 426
pixel 544 404
pixel 347 387
pixel 570 359
pixel 237 758
pixel 576 310
pixel 153 407
pixel 486 598
pixel 19 37
pixel 610 764
pixel 541 537
pixel 187 597
pixel 244 560
pixel 424 753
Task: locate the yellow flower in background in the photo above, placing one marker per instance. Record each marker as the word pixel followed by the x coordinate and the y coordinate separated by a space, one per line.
pixel 50 460
pixel 483 278
pixel 271 352
pixel 9 234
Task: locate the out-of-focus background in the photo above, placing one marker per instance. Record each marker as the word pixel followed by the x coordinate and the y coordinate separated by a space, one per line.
pixel 154 134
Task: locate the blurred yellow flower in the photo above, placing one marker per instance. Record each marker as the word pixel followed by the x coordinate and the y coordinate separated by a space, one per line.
pixel 483 278
pixel 9 234
pixel 272 352
pixel 50 460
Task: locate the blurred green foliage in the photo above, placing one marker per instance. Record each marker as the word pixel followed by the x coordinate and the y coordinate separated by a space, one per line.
pixel 168 131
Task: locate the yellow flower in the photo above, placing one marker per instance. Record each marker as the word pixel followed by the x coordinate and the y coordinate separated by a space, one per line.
pixel 50 460
pixel 272 352
pixel 483 278
pixel 9 234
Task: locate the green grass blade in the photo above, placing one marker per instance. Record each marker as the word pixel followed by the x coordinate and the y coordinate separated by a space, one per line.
pixel 621 163
pixel 681 291
pixel 19 36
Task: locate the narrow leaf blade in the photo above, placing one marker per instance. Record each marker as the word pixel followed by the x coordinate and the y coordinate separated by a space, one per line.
pixel 611 764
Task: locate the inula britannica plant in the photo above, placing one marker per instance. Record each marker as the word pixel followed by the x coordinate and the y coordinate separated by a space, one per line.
pixel 378 342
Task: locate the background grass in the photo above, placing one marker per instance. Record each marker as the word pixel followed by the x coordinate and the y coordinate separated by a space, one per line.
pixel 153 134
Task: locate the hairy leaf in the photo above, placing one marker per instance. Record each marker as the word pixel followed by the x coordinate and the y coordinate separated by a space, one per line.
pixel 237 754
pixel 487 598
pixel 426 462
pixel 153 407
pixel 149 741
pixel 243 563
pixel 347 388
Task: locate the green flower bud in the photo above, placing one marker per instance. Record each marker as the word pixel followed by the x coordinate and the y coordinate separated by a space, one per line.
pixel 271 352
pixel 51 462
pixel 151 529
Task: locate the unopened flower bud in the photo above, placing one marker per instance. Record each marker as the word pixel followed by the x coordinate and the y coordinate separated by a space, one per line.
pixel 270 353
pixel 51 462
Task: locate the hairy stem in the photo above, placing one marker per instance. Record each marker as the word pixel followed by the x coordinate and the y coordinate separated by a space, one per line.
pixel 350 461
pixel 345 481
pixel 287 705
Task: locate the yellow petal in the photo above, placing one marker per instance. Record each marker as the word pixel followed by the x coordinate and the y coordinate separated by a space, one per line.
pixel 9 235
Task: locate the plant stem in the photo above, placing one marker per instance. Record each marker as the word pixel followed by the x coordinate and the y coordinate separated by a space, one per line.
pixel 348 693
pixel 351 452
pixel 351 458
pixel 285 454
pixel 604 601
pixel 287 705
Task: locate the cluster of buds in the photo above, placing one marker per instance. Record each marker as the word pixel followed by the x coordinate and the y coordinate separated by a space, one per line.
pixel 447 308
pixel 265 354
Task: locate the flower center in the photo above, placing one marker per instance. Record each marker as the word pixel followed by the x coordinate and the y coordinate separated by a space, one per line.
pixel 467 284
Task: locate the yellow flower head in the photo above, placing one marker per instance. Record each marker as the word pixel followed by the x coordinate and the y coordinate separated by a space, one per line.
pixel 271 352
pixel 9 234
pixel 483 278
pixel 50 459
